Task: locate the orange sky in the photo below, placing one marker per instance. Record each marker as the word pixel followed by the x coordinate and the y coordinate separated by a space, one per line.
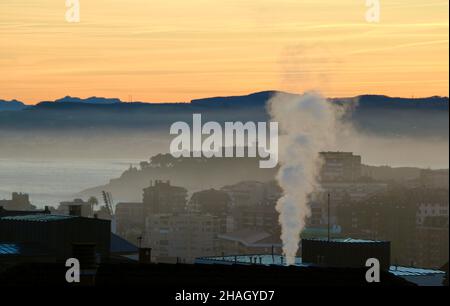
pixel 177 50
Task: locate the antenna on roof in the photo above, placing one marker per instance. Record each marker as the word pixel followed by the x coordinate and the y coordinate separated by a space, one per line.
pixel 328 224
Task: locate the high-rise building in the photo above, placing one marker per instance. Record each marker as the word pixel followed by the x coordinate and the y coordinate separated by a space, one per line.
pixel 253 205
pixel 262 216
pixel 163 198
pixel 181 237
pixel 214 202
pixel 340 167
pixel 249 193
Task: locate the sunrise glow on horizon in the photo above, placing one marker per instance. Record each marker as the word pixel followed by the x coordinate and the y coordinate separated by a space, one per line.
pixel 178 50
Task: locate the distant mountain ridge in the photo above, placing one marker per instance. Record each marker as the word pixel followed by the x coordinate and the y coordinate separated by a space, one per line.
pixel 371 114
pixel 250 100
pixel 12 105
pixel 91 100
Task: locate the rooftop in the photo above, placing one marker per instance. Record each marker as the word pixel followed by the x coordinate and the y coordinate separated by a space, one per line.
pixel 347 240
pixel 265 260
pixel 22 249
pixel 411 271
pixel 9 249
pixel 153 276
pixel 38 218
pixel 278 260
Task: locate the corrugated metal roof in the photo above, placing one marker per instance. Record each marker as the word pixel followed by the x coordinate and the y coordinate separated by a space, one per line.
pixel 22 249
pixel 411 271
pixel 9 249
pixel 38 218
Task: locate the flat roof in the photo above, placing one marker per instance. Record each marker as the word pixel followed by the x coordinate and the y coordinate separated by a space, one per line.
pixel 279 260
pixel 347 240
pixel 38 218
pixel 265 260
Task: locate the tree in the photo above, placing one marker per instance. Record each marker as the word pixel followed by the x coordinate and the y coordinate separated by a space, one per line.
pixel 93 201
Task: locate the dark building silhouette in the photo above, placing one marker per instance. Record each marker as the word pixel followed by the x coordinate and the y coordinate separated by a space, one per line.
pixel 399 216
pixel 157 277
pixel 345 253
pixel 388 217
pixel 55 235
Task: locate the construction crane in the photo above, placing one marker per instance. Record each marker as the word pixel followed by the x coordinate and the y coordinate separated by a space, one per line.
pixel 107 199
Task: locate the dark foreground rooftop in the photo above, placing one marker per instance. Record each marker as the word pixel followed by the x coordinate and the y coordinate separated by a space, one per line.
pixel 182 275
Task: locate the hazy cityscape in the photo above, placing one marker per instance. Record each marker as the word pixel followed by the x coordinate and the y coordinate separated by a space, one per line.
pixel 201 152
pixel 407 207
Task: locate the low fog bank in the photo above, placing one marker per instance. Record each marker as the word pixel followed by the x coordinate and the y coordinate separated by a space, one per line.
pixel 385 131
pixel 400 151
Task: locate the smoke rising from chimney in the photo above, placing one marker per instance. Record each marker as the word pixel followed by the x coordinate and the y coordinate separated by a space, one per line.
pixel 307 126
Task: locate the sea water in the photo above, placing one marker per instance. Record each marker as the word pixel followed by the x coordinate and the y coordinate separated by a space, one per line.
pixel 49 182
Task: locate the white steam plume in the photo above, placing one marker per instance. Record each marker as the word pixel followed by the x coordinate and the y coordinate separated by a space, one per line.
pixel 307 127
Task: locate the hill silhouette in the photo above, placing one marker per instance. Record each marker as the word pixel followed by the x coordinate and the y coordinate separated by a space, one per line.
pixel 12 105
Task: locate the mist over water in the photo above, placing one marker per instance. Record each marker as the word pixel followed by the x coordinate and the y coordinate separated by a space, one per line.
pixel 49 182
pixel 54 171
pixel 398 151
